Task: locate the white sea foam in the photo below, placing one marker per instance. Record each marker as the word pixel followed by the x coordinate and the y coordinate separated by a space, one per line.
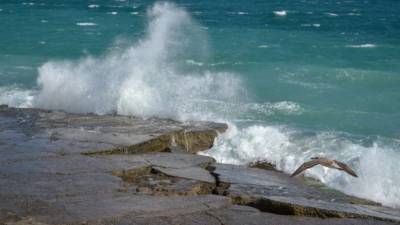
pixel 86 24
pixel 16 97
pixel 280 13
pixel 362 46
pixel 242 13
pixel 376 165
pixel 112 13
pixel 24 68
pixel 311 25
pixel 193 62
pixel 92 6
pixel 331 14
pixel 354 14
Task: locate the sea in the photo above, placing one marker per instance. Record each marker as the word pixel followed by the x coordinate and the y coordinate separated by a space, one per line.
pixel 292 79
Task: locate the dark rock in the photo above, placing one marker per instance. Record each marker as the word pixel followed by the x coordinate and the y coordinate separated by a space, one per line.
pixel 275 192
pixel 263 165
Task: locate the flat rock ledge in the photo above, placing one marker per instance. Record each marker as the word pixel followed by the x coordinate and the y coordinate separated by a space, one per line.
pixel 62 168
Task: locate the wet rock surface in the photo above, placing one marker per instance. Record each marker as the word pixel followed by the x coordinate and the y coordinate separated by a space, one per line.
pixel 61 168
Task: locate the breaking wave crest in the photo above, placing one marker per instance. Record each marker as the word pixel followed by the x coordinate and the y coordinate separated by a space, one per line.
pixel 374 161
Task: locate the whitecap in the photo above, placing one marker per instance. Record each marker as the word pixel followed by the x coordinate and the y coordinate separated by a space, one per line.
pixel 24 68
pixel 280 13
pixel 193 62
pixel 112 13
pixel 331 14
pixel 218 63
pixel 134 13
pixel 242 13
pixel 92 6
pixel 316 25
pixel 263 46
pixel 362 46
pixel 86 24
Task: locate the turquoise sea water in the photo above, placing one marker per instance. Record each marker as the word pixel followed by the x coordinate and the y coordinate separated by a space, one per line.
pixel 294 79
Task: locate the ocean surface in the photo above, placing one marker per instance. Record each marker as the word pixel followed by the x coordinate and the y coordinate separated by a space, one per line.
pixel 293 79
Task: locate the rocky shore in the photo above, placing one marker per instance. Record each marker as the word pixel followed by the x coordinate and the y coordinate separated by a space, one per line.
pixel 62 168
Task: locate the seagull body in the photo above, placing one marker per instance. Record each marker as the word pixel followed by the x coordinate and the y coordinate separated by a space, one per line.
pixel 334 164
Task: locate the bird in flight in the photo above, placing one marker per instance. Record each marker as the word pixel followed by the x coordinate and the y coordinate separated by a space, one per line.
pixel 334 164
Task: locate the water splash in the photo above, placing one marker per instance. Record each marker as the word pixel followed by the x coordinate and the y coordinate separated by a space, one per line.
pixel 288 148
pixel 145 79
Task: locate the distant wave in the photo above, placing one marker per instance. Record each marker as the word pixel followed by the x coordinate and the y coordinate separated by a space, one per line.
pixel 331 14
pixel 93 6
pixel 362 46
pixel 280 13
pixel 311 25
pixel 86 24
pixel 193 62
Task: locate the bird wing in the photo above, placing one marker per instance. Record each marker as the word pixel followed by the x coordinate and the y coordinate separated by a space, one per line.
pixel 305 166
pixel 346 168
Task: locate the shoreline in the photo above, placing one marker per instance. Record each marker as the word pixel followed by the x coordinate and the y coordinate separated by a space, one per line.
pixel 59 168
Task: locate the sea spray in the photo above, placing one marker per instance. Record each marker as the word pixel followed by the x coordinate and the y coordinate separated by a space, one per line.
pixel 16 97
pixel 144 79
pixel 287 148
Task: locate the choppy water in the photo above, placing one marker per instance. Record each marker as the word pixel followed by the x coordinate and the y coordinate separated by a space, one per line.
pixel 294 79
